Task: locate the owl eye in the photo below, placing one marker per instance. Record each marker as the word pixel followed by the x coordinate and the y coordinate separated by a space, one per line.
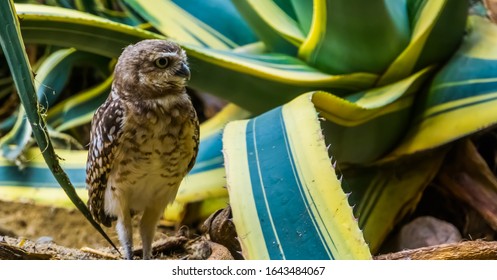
pixel 161 62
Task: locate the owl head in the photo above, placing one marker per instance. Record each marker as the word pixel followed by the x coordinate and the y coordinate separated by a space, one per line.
pixel 151 69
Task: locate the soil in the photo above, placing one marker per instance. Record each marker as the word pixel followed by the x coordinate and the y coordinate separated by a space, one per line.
pixel 66 227
pixel 60 233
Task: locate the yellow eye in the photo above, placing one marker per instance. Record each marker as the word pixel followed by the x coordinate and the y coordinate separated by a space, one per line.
pixel 161 62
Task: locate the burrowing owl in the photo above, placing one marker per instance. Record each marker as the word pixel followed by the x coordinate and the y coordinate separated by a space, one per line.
pixel 144 140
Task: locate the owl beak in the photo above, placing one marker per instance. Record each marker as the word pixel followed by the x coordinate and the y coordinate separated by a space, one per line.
pixel 183 71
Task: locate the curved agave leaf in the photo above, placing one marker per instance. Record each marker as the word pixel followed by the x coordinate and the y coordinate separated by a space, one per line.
pixel 283 188
pixel 384 194
pixel 217 123
pixel 78 109
pixel 303 11
pixel 271 37
pixel 36 173
pixel 210 164
pixel 207 178
pixel 248 78
pixel 113 10
pixel 51 77
pixel 181 26
pixel 437 29
pixel 379 115
pixel 274 78
pixel 46 25
pixel 338 43
pixel 116 12
pixel 276 19
pixel 8 123
pixel 360 115
pixel 40 195
pixel 222 16
pixel 14 141
pixel 446 35
pixel 462 97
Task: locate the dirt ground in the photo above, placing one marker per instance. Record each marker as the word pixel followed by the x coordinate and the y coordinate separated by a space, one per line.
pixel 66 227
pixel 62 233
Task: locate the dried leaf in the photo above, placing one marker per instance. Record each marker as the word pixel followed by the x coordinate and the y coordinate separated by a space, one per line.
pixel 491 6
pixel 466 176
pixel 221 229
pixel 469 250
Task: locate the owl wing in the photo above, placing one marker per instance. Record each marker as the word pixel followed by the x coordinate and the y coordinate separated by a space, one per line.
pixel 196 136
pixel 105 138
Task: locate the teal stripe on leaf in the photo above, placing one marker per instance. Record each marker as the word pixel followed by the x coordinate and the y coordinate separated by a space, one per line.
pixel 53 75
pixel 216 13
pixel 458 92
pixel 284 215
pixel 210 154
pixel 78 109
pixel 7 123
pixel 463 77
pixel 37 177
pixel 462 67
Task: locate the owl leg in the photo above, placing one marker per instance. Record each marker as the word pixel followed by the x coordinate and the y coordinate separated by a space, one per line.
pixel 148 225
pixel 125 233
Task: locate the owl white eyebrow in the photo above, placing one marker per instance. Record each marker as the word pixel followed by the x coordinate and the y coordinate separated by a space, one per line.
pixel 168 54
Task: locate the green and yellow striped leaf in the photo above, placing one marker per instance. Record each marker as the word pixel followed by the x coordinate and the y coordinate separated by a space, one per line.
pixel 303 13
pixel 207 178
pixel 52 76
pixel 384 194
pixel 276 18
pixel 47 25
pixel 180 25
pixel 364 126
pixel 274 78
pixel 247 78
pixel 286 200
pixel 112 10
pixel 79 108
pixel 462 97
pixel 223 17
pixel 437 28
pixel 349 36
pixel 265 27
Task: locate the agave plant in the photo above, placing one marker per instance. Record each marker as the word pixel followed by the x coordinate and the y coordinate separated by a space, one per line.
pixel 352 103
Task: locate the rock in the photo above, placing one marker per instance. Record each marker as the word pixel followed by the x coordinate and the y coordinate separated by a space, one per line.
pixel 44 240
pixel 427 231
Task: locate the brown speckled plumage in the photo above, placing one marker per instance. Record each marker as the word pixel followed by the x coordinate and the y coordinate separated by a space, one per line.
pixel 144 140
